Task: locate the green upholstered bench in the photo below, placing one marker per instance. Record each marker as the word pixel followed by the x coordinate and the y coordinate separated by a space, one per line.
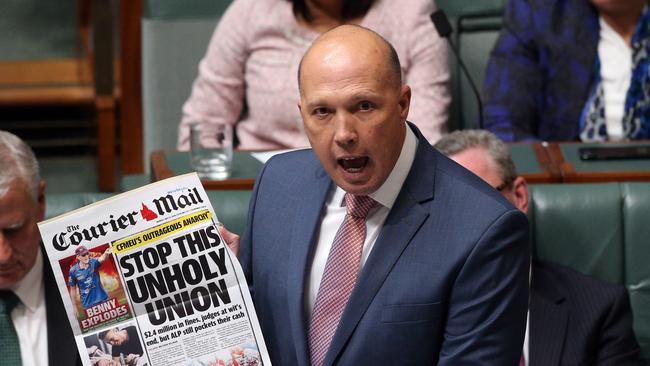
pixel 600 229
pixel 59 203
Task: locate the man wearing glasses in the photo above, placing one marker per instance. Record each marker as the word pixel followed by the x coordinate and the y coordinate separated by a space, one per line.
pixel 84 276
pixel 591 319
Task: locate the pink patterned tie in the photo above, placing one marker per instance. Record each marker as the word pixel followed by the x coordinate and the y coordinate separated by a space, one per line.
pixel 339 277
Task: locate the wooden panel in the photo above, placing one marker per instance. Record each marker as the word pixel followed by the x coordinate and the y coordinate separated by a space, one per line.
pixel 160 170
pixel 57 71
pixel 47 95
pixel 131 134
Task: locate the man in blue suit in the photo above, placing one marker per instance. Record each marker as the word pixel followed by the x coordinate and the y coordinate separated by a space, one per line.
pixel 437 272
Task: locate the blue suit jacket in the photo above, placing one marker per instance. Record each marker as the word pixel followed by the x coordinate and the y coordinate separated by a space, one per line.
pixel 541 70
pixel 446 282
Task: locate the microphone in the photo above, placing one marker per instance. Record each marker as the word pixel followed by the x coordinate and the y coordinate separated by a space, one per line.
pixel 441 22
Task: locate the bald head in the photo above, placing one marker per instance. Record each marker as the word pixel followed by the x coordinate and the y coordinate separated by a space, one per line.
pixel 352 42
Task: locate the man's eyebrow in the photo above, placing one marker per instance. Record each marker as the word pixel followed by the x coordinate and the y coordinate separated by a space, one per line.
pixel 366 95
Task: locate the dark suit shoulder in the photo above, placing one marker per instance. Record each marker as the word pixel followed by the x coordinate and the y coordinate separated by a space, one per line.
pixel 573 281
pixel 598 317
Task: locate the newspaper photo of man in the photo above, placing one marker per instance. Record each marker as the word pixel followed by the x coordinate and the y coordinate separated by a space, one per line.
pixel 91 279
pixel 126 347
pixel 84 278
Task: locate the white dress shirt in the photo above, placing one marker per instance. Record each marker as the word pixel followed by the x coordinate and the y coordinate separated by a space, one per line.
pixel 615 72
pixel 29 316
pixel 526 352
pixel 335 213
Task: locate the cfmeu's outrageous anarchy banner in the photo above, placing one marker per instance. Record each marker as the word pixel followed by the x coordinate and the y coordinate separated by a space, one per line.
pixel 147 279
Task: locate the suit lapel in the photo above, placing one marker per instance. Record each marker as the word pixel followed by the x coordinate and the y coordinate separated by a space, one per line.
pixel 306 220
pixel 403 221
pixel 61 346
pixel 549 316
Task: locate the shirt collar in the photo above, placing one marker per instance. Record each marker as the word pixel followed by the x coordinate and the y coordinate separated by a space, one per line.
pixel 28 289
pixel 387 193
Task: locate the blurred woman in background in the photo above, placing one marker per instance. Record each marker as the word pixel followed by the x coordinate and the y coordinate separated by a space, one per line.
pixel 248 77
pixel 567 70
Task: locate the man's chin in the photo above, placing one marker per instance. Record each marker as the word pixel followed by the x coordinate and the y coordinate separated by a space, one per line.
pixel 359 188
pixel 7 281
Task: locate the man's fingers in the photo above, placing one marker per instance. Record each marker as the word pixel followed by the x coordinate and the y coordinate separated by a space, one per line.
pixel 232 239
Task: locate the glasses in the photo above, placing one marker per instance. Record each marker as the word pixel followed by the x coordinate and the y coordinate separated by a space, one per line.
pixel 83 255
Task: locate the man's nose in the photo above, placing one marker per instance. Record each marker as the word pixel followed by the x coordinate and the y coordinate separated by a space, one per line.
pixel 5 248
pixel 346 133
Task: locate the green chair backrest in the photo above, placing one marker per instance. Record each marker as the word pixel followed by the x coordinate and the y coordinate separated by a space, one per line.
pixel 636 213
pixel 231 208
pixel 579 226
pixel 59 203
pixel 175 36
pixel 457 8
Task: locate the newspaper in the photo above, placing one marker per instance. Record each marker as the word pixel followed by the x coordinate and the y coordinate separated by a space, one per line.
pixel 147 279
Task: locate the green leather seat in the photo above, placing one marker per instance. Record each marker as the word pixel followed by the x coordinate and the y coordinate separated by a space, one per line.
pixel 59 203
pixel 231 208
pixel 580 226
pixel 636 229
pixel 600 229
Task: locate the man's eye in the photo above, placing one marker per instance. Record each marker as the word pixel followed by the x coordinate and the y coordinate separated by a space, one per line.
pixel 365 106
pixel 320 111
pixel 11 231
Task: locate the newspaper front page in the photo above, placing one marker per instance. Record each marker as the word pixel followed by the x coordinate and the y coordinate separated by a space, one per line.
pixel 147 279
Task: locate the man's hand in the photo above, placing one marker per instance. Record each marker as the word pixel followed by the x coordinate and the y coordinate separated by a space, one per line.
pixel 132 359
pixel 232 240
pixel 104 255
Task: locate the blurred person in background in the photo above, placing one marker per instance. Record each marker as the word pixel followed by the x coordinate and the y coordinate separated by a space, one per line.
pixel 573 319
pixel 566 70
pixel 248 76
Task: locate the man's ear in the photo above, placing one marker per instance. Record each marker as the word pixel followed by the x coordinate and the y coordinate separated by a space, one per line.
pixel 520 192
pixel 405 101
pixel 41 200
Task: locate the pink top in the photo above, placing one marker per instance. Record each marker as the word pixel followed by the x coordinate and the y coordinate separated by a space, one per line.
pixel 248 76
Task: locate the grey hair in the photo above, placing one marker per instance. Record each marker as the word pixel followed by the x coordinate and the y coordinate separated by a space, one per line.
pixel 459 141
pixel 17 161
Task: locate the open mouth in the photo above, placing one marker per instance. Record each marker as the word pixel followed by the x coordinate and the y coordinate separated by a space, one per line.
pixel 353 165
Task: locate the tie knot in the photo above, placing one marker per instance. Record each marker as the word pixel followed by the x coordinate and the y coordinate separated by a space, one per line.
pixel 8 301
pixel 358 206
